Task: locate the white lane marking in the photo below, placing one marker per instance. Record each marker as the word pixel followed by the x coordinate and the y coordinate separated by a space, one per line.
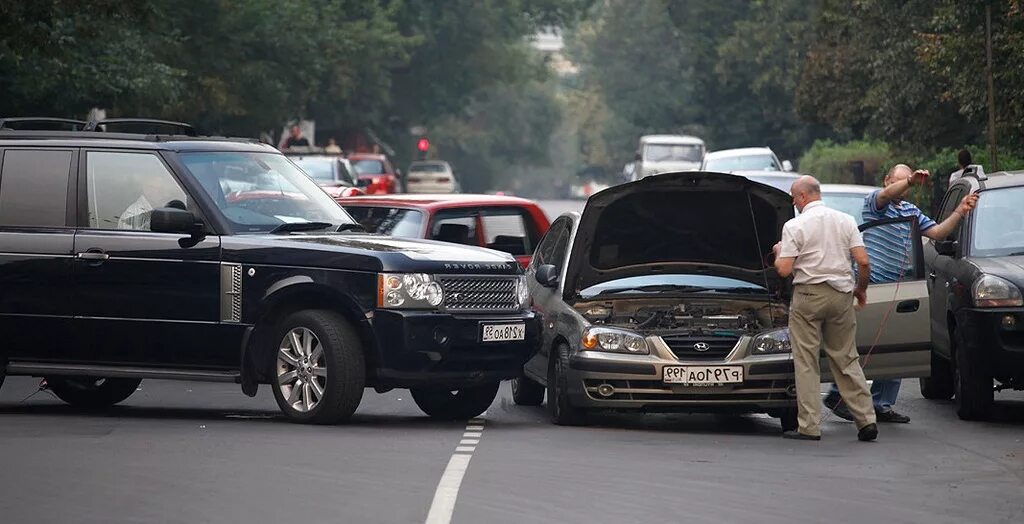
pixel 443 506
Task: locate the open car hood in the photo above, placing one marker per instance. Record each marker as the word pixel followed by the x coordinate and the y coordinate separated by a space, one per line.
pixel 688 222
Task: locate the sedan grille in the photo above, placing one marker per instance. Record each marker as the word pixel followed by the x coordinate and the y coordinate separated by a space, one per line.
pixel 688 347
pixel 480 294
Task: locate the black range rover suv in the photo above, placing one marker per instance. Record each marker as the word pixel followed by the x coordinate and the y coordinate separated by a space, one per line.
pixel 130 256
pixel 975 281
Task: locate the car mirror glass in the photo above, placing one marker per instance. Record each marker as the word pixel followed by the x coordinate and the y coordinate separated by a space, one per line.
pixel 946 247
pixel 547 275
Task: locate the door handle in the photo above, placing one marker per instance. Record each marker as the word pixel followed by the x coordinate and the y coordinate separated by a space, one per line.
pixel 94 257
pixel 932 275
pixel 908 306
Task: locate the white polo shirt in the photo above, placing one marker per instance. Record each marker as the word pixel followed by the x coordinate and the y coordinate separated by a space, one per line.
pixel 820 240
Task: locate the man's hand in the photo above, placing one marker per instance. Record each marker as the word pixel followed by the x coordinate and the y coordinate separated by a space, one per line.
pixel 862 298
pixel 968 204
pixel 776 249
pixel 919 178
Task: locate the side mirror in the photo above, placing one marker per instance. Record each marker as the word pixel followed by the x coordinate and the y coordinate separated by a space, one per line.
pixel 364 182
pixel 638 157
pixel 946 247
pixel 547 275
pixel 787 166
pixel 173 220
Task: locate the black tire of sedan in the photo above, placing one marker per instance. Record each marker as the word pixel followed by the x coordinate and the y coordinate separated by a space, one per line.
pixel 939 386
pixel 91 392
pixel 526 392
pixel 974 392
pixel 319 370
pixel 462 404
pixel 788 419
pixel 562 412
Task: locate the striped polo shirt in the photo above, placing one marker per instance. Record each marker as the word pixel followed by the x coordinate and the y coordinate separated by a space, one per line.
pixel 890 247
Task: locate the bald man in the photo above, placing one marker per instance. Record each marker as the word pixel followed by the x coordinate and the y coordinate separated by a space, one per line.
pixel 818 248
pixel 890 249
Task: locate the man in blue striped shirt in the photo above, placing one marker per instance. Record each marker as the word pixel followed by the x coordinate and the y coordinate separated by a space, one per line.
pixel 890 250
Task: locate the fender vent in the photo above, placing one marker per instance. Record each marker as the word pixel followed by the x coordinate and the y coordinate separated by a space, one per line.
pixel 231 293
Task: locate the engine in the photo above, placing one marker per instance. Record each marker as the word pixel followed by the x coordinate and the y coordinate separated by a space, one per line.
pixel 697 318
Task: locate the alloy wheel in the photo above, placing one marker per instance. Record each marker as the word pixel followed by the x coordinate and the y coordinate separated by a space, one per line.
pixel 301 369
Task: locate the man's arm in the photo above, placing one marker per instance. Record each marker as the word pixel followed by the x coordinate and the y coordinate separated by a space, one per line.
pixel 895 189
pixel 784 266
pixel 943 230
pixel 860 256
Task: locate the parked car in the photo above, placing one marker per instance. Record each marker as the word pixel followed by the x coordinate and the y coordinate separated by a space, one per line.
pixel 744 159
pixel 780 181
pixel 331 172
pixel 975 279
pixel 375 174
pixel 430 176
pixel 667 153
pixel 129 256
pixel 659 298
pixel 503 223
pixel 848 198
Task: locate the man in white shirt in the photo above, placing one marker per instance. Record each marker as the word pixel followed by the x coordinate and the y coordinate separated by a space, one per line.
pixel 816 248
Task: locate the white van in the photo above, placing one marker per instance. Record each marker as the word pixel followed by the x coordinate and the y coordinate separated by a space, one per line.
pixel 667 153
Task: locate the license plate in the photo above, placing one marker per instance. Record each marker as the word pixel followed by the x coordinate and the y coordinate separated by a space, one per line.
pixel 702 375
pixel 503 332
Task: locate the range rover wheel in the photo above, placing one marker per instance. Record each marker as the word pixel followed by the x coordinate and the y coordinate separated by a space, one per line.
pixel 92 392
pixel 526 392
pixel 461 404
pixel 319 368
pixel 974 388
pixel 560 408
pixel 938 386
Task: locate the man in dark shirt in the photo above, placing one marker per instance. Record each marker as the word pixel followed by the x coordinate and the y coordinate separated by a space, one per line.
pixel 295 138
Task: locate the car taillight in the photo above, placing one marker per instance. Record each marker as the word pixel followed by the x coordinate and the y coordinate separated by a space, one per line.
pixel 443 179
pixel 415 179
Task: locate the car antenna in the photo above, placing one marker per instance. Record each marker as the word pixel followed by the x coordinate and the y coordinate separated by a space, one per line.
pixel 757 238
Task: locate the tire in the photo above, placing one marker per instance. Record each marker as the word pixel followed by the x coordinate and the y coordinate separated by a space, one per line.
pixel 526 392
pixel 462 404
pixel 332 355
pixel 973 383
pixel 938 386
pixel 560 407
pixel 92 392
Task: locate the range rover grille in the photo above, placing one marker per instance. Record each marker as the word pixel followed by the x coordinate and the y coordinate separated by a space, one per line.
pixel 479 294
pixel 691 347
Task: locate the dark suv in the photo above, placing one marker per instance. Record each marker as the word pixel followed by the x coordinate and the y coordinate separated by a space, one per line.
pixel 130 256
pixel 975 280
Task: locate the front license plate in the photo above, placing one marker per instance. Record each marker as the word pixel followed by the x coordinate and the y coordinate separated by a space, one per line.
pixel 702 375
pixel 503 332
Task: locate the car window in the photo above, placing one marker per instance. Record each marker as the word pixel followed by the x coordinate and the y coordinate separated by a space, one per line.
pixel 998 228
pixel 673 152
pixel 949 205
pixel 34 187
pixel 319 169
pixel 123 189
pixel 743 163
pixel 850 203
pixel 458 227
pixel 368 167
pixel 892 250
pixel 548 243
pixel 427 168
pixel 392 221
pixel 508 230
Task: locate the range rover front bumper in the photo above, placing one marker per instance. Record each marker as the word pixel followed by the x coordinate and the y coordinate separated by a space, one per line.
pixel 636 382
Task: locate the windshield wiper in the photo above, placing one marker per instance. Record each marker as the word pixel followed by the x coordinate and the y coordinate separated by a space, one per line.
pixel 351 227
pixel 289 227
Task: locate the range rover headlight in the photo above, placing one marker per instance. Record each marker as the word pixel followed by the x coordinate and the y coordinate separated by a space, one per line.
pixel 992 291
pixel 522 292
pixel 772 342
pixel 614 341
pixel 408 291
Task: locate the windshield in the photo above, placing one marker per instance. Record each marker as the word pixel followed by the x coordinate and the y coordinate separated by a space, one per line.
pixel 673 152
pixel 257 192
pixel 391 221
pixel 368 167
pixel 743 163
pixel 999 223
pixel 319 169
pixel 665 283
pixel 850 203
pixel 780 182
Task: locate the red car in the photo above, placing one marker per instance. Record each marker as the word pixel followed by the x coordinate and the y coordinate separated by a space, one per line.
pixel 375 174
pixel 509 224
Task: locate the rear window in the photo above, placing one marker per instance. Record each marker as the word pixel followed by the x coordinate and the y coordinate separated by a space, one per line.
pixel 368 167
pixel 743 163
pixel 391 221
pixel 508 231
pixel 34 188
pixel 319 169
pixel 850 203
pixel 427 168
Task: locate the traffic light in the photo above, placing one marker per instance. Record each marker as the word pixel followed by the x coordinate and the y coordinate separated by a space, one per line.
pixel 423 145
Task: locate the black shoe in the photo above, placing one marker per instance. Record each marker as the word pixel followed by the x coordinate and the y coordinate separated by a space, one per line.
pixel 842 411
pixel 868 433
pixel 796 435
pixel 891 416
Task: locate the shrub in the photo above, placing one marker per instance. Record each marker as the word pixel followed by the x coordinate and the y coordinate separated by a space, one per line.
pixel 830 163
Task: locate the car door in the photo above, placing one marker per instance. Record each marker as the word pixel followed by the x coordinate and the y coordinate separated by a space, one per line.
pixel 511 230
pixel 37 238
pixel 893 336
pixel 143 297
pixel 553 249
pixel 940 269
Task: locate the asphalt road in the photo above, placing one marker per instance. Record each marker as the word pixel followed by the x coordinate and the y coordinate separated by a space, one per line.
pixel 196 452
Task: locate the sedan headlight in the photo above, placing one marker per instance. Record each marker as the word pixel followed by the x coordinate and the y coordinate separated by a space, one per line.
pixel 991 291
pixel 772 342
pixel 614 340
pixel 408 291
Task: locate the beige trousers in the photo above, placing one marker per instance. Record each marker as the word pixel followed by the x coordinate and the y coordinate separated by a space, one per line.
pixel 821 317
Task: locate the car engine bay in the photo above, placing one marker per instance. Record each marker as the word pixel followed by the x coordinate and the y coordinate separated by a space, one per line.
pixel 691 317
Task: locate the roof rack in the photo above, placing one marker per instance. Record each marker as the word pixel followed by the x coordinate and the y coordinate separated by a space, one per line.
pixel 187 129
pixel 101 135
pixel 30 123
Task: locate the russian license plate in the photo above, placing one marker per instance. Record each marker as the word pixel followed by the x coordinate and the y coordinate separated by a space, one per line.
pixel 702 375
pixel 503 332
